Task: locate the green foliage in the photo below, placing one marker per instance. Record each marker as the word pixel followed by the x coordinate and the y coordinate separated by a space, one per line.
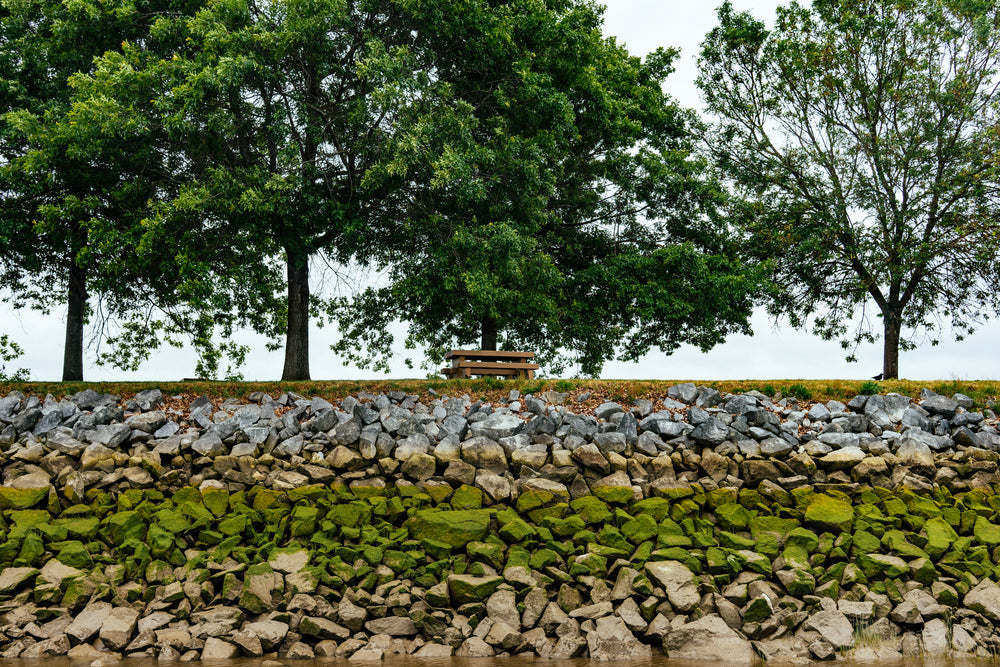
pixel 862 140
pixel 799 391
pixel 769 390
pixel 565 385
pixel 553 170
pixel 9 351
pixel 533 387
pixel 870 388
pixel 489 383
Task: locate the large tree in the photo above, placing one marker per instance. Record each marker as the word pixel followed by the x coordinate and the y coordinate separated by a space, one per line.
pixel 73 196
pixel 554 201
pixel 863 137
pixel 279 109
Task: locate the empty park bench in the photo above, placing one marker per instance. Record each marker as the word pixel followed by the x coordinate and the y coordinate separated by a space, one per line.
pixel 466 363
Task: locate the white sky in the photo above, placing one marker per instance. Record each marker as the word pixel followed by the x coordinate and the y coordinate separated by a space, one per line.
pixel 772 353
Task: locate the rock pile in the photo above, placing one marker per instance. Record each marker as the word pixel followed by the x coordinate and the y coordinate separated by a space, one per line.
pixel 701 525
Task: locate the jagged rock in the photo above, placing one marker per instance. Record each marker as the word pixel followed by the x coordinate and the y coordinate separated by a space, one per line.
pixel 118 627
pixel 985 599
pixel 12 578
pixel 678 581
pixel 88 622
pixel 708 638
pixel 832 626
pixel 270 633
pixel 611 639
pixel 474 647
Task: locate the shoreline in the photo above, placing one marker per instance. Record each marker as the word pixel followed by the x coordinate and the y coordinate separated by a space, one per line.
pixel 715 527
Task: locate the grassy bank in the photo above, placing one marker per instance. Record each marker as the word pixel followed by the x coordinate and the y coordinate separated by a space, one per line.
pixel 984 393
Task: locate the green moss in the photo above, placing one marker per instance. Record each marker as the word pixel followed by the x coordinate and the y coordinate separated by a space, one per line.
pixel 467 497
pixel 828 513
pixel 640 529
pixel 865 542
pixel 986 532
pixel 21 498
pixel 455 528
pixel 564 527
pixel 657 508
pixel 591 509
pixel 517 531
pixel 733 517
pixel 543 558
pixel 940 536
pixel 734 541
pixel 617 495
pixel 464 588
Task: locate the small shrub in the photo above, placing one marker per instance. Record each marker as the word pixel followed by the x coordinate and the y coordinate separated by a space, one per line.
pixel 533 387
pixel 800 391
pixel 489 382
pixel 565 385
pixel 9 351
pixel 769 390
pixel 870 388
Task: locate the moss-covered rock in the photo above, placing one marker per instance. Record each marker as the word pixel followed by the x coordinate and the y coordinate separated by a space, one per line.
pixel 467 497
pixel 618 495
pixel 21 498
pixel 882 566
pixel 985 532
pixel 657 508
pixel 516 531
pixel 733 517
pixel 940 536
pixel 464 588
pixel 828 513
pixel 260 585
pixel 75 554
pixel 564 527
pixel 125 526
pixel 455 528
pixel 591 509
pixel 640 529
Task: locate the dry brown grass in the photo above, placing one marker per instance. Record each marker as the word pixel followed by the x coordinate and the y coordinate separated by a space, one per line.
pixel 985 393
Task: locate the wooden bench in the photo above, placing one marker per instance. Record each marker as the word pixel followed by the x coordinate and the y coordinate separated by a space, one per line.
pixel 466 363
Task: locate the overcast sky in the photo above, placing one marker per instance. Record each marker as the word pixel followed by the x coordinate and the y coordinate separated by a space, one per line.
pixel 772 353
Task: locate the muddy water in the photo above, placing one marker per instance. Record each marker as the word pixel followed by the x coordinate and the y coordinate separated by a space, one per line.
pixel 401 661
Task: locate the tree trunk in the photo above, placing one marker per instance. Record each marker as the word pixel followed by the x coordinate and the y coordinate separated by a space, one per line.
pixel 297 335
pixel 489 341
pixel 890 351
pixel 76 300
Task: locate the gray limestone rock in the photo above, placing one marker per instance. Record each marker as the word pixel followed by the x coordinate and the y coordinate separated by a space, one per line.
pixel 485 454
pixel 218 649
pixel 497 426
pixel 89 622
pixel 985 599
pixel 678 581
pixel 711 433
pixel 833 626
pixel 708 638
pixel 611 639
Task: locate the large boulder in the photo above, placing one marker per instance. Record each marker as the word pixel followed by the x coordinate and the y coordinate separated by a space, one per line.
pixel 830 514
pixel 612 640
pixel 985 599
pixel 456 528
pixel 678 581
pixel 833 626
pixel 709 639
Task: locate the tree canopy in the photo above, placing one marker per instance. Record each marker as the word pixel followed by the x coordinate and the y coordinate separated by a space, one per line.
pixel 862 137
pixel 518 178
pixel 555 202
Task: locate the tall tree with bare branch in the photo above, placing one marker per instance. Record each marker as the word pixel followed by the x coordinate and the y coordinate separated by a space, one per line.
pixel 863 139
